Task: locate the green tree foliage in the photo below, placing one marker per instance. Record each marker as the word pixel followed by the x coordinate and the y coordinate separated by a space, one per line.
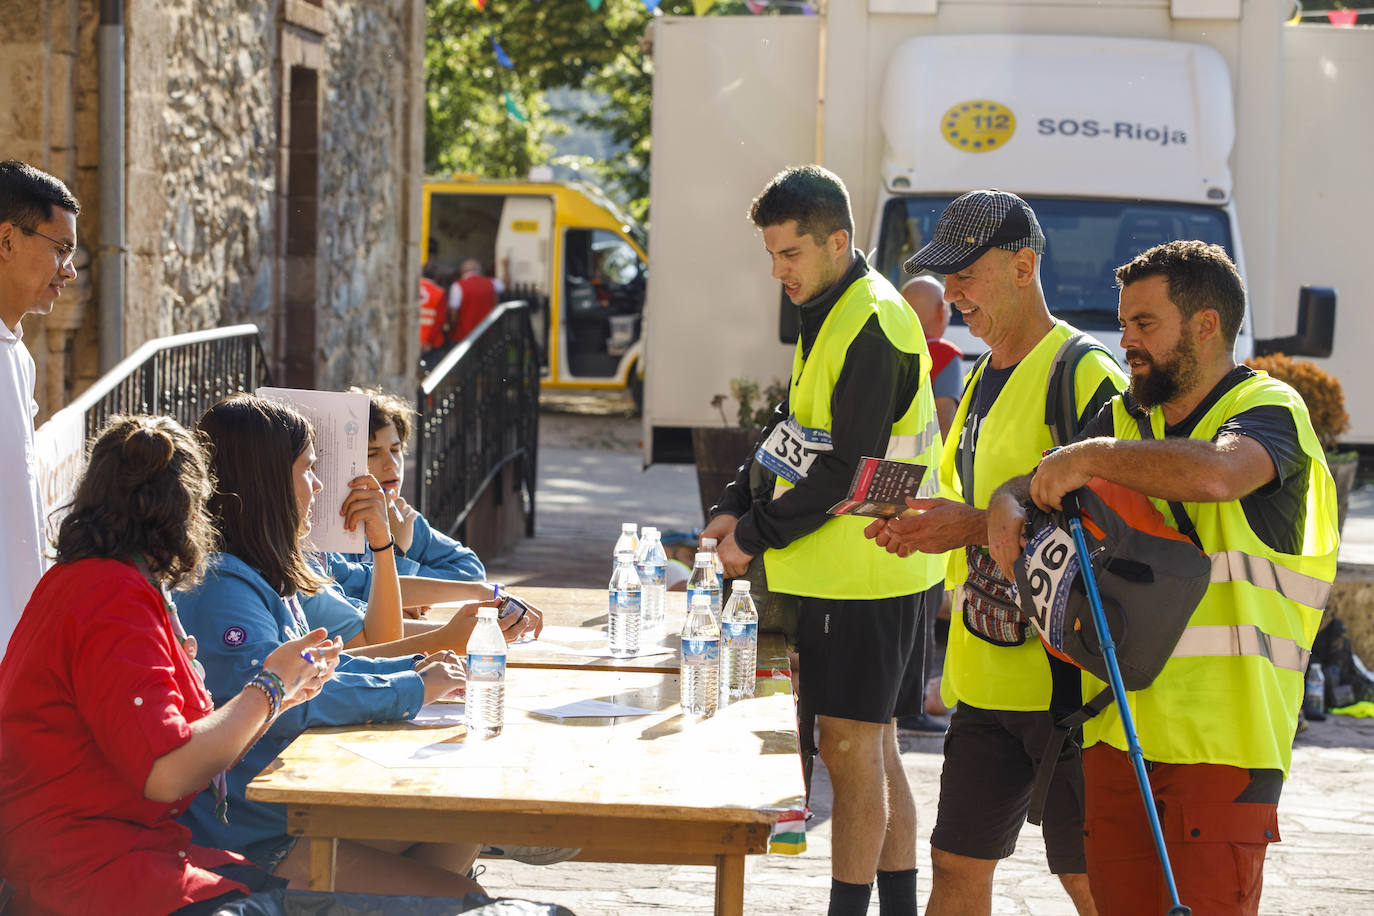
pixel 552 43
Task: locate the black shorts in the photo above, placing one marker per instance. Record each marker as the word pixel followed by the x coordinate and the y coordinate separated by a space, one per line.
pixel 861 659
pixel 985 786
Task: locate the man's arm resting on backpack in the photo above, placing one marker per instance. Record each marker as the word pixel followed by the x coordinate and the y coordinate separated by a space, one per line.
pixel 1183 470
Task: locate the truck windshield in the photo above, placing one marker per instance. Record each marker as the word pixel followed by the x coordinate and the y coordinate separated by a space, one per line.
pixel 1086 240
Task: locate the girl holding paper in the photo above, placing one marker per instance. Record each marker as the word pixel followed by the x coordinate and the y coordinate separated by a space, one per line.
pixel 248 604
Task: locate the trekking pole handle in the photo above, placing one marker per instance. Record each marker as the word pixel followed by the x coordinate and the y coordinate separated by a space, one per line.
pixel 1070 503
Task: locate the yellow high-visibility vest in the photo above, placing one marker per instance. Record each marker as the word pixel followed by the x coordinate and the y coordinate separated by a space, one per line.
pixel 1011 440
pixel 836 560
pixel 1231 691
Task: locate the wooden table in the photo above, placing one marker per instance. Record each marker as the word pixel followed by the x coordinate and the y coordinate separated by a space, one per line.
pixel 656 788
pixel 585 609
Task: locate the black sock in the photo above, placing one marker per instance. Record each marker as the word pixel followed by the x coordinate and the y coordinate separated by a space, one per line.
pixel 897 893
pixel 848 899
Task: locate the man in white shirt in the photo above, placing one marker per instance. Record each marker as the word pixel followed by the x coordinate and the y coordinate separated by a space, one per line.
pixel 37 242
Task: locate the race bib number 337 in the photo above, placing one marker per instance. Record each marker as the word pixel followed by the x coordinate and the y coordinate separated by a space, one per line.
pixel 791 449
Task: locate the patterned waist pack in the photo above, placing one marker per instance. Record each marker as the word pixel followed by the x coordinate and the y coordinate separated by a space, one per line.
pixel 991 611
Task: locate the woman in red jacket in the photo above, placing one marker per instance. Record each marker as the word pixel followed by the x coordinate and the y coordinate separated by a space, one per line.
pixel 106 729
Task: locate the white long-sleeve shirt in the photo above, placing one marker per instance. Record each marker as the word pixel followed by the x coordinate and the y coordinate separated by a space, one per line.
pixel 21 501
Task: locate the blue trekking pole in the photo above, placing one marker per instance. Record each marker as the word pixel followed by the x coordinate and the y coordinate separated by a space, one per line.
pixel 1108 646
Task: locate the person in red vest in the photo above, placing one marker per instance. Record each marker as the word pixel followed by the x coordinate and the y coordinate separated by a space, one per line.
pixel 470 299
pixel 431 316
pixel 926 296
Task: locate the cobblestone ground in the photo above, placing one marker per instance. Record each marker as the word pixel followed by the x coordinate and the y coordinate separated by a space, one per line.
pixel 590 480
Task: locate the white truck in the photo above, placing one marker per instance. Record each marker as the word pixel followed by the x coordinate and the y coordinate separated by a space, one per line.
pixel 1117 121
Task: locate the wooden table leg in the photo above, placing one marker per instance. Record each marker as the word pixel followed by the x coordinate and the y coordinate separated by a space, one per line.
pixel 730 885
pixel 323 852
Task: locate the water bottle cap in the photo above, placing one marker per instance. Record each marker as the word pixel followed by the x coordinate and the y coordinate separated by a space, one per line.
pixel 703 557
pixel 703 600
pixel 649 531
pixel 708 542
pixel 628 528
pixel 486 613
pixel 740 586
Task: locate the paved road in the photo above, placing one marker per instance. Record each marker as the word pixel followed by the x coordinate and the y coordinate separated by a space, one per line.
pixel 590 480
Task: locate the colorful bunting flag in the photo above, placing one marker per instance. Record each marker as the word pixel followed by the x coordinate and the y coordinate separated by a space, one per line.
pixel 701 6
pixel 756 6
pixel 651 5
pixel 594 4
pixel 1342 18
pixel 514 111
pixel 479 5
pixel 501 57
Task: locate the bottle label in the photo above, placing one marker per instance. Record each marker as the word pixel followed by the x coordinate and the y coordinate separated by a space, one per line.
pixel 710 592
pixel 488 668
pixel 652 575
pixel 739 635
pixel 624 601
pixel 703 650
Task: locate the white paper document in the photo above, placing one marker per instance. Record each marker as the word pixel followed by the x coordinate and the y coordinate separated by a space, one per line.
pixel 591 709
pixel 440 715
pixel 340 421
pixel 584 642
pixel 434 754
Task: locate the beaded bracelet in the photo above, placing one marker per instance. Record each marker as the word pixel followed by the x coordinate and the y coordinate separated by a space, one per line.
pixel 496 590
pixel 389 545
pixel 272 688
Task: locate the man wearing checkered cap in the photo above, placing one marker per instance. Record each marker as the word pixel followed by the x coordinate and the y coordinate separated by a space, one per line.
pixel 988 245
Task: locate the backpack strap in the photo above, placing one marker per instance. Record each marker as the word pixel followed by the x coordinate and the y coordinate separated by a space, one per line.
pixel 1044 773
pixel 1061 402
pixel 966 454
pixel 1147 432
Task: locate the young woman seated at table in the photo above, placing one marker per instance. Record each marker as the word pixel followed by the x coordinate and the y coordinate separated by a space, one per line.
pixel 108 730
pixel 433 568
pixel 262 456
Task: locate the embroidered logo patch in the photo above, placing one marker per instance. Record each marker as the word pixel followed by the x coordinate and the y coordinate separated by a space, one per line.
pixel 234 636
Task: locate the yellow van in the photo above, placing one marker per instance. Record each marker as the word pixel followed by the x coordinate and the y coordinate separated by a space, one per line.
pixel 567 249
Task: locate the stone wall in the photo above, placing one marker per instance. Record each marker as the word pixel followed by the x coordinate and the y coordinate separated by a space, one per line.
pixel 368 149
pixel 49 118
pixel 201 166
pixel 207 115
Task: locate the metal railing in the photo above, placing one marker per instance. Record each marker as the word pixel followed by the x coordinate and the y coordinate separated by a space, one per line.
pixel 179 376
pixel 479 411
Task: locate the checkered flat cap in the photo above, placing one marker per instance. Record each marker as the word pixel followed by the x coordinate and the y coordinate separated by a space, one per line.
pixel 973 224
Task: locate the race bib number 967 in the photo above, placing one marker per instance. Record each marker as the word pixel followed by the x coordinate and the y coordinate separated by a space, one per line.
pixel 791 449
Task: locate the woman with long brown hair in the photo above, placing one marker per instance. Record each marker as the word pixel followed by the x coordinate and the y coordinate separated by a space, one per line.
pixel 262 455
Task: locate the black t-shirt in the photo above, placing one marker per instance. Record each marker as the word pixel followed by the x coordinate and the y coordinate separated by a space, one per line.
pixel 988 386
pixel 1276 512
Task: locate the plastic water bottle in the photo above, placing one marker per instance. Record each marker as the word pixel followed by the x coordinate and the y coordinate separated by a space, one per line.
pixel 703 582
pixel 739 639
pixel 652 566
pixel 625 607
pixel 1314 694
pixel 628 540
pixel 700 672
pixel 709 545
pixel 486 690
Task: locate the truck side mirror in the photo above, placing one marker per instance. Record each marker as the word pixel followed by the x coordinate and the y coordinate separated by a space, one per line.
pixel 789 319
pixel 1316 326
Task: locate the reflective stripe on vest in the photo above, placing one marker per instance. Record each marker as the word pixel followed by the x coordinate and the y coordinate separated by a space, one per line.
pixel 1242 639
pixel 900 447
pixel 1239 566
